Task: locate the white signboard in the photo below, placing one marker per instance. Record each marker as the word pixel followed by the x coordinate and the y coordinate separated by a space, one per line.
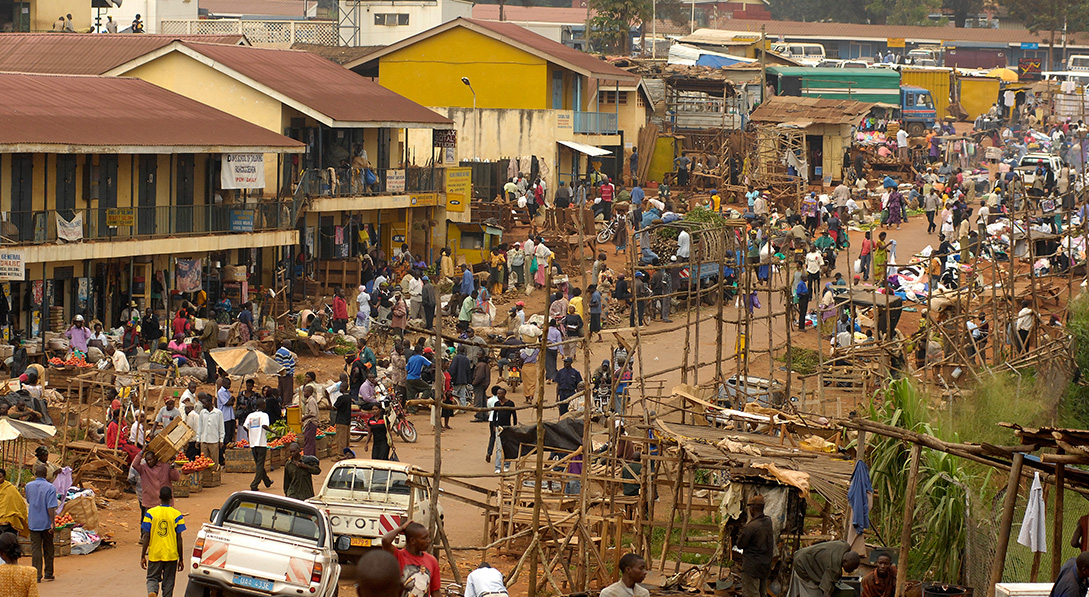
pixel 243 171
pixel 12 267
pixel 395 181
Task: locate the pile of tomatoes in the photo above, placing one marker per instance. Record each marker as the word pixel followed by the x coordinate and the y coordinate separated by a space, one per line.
pixel 72 361
pixel 239 444
pixel 285 440
pixel 61 521
pixel 198 464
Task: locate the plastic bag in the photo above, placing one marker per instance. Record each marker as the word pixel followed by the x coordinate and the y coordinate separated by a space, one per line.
pixel 858 266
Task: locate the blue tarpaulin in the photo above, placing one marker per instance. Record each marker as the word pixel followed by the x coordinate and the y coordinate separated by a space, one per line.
pixel 717 61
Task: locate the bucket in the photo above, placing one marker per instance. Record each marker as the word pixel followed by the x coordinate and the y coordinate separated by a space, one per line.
pixel 940 590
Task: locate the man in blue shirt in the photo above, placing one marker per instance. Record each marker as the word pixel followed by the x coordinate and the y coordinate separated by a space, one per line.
pixel 467 284
pixel 286 359
pixel 414 368
pixel 225 403
pixel 637 195
pixel 595 309
pixel 567 382
pixel 41 501
pixel 1073 579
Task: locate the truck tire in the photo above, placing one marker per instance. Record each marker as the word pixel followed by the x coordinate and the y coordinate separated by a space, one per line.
pixel 916 129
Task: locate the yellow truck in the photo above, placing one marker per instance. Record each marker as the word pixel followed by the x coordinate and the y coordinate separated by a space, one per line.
pixel 934 80
pixel 975 94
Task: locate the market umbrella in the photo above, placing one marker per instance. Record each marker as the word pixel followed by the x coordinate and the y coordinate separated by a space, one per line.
pixel 245 361
pixel 1004 74
pixel 11 429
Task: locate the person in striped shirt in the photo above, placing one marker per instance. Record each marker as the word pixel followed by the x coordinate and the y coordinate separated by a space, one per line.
pixel 286 359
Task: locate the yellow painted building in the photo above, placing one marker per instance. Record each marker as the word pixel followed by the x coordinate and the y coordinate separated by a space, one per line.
pixel 98 211
pixel 512 93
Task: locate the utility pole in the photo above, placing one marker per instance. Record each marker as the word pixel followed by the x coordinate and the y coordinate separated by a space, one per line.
pixel 763 62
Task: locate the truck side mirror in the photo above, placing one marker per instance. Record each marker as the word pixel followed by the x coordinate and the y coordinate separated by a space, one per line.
pixel 215 513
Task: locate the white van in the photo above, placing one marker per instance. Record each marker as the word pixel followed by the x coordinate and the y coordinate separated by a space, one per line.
pixel 808 54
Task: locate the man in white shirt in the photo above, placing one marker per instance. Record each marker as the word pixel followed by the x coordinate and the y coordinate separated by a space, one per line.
pixel 118 359
pixel 166 414
pixel 415 302
pixel 902 144
pixel 814 261
pixel 137 433
pixel 256 426
pixel 189 397
pixel 684 245
pixel 484 581
pixel 210 431
pixel 760 206
pixel 1026 319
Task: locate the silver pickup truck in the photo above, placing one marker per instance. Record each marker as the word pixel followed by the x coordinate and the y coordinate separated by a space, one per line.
pixel 365 499
pixel 263 544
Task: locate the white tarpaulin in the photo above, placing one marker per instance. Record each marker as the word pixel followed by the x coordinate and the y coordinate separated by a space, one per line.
pixel 243 171
pixel 245 361
pixel 70 230
pixel 589 150
pixel 10 429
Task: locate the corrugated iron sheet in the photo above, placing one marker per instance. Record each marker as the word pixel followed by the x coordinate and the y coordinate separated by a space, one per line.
pixel 810 110
pixel 82 54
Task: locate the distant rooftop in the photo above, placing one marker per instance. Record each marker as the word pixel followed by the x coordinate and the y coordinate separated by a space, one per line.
pixel 84 54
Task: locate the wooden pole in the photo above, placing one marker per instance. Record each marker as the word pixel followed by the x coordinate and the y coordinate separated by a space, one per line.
pixel 1007 521
pixel 719 259
pixel 587 401
pixel 539 469
pixel 436 421
pixel 1057 522
pixel 909 518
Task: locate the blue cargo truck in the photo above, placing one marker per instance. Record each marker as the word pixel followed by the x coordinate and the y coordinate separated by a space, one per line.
pixel 914 105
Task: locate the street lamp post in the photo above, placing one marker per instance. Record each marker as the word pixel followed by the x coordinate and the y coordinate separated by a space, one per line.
pixel 470 86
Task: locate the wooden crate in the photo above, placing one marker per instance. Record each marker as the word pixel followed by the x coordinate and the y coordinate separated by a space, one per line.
pixel 180 488
pixel 62 542
pixel 193 481
pixel 275 458
pixel 324 443
pixel 171 440
pixel 211 477
pixel 238 460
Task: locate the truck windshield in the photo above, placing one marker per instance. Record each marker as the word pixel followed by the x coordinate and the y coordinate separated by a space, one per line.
pixel 277 518
pixel 378 483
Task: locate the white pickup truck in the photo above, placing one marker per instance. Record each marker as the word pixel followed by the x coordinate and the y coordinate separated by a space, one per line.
pixel 365 499
pixel 263 544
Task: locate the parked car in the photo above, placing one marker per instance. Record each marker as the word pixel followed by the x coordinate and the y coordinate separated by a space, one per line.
pixel 365 499
pixel 1029 161
pixel 264 544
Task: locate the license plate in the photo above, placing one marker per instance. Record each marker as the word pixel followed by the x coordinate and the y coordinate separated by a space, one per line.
pixel 253 583
pixel 361 542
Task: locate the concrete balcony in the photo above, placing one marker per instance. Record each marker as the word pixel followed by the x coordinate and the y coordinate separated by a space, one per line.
pixel 595 123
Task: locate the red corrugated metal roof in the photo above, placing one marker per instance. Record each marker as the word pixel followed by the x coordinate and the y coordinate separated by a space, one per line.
pixel 108 114
pixel 83 54
pixel 320 85
pixel 810 110
pixel 559 52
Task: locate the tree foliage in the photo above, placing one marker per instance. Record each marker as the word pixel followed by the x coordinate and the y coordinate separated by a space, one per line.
pixel 615 18
pixel 1051 15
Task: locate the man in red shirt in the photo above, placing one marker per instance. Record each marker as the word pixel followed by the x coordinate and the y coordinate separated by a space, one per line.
pixel 419 569
pixel 340 311
pixel 607 192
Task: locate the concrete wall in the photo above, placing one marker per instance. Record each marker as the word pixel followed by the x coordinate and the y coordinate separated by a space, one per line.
pixel 422 15
pixel 152 12
pixel 43 13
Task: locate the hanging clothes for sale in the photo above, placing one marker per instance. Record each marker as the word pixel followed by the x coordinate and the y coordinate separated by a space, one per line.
pixel 859 502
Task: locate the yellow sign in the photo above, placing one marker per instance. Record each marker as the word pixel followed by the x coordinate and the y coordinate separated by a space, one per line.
pixel 895 42
pixel 424 199
pixel 459 188
pixel 120 216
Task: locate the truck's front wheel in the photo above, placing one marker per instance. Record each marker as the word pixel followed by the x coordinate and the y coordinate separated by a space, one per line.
pixel 916 129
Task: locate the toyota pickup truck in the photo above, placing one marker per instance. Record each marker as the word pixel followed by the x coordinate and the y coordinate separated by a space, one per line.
pixel 263 544
pixel 365 499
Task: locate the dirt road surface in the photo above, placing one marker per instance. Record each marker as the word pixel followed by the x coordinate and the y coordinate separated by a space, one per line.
pixel 116 571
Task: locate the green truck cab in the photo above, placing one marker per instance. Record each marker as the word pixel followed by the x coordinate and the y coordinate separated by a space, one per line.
pixel 914 105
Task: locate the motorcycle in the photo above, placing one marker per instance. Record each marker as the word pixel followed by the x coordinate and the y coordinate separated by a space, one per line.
pixel 396 420
pixel 609 229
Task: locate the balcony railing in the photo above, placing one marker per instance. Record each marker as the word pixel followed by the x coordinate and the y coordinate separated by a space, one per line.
pixel 596 123
pixel 355 182
pixel 258 32
pixel 149 222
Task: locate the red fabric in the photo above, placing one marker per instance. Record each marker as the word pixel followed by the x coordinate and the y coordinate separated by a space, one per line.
pixel 340 308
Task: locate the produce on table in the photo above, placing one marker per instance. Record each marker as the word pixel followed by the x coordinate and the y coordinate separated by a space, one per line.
pixel 198 464
pixel 63 520
pixel 239 444
pixel 285 440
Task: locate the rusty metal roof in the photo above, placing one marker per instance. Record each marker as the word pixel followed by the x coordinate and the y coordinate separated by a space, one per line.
pixel 517 37
pixel 311 84
pixel 82 54
pixel 338 54
pixel 804 111
pixel 86 114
